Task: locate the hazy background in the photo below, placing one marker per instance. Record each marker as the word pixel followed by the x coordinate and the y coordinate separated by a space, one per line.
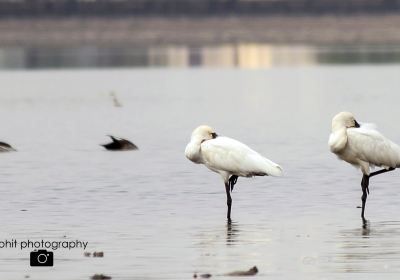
pixel 192 33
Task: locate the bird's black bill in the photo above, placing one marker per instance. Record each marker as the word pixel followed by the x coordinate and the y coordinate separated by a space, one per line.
pixel 356 124
pixel 214 135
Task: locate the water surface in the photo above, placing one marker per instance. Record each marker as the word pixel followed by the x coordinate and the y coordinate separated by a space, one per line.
pixel 158 216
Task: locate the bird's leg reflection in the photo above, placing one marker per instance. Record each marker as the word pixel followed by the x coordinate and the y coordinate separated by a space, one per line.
pixel 232 232
pixel 366 230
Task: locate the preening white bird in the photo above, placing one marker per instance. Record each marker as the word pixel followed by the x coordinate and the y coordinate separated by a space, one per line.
pixel 228 157
pixel 364 147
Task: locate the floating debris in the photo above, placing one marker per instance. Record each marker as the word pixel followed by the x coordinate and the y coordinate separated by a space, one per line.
pixel 100 277
pixel 206 275
pixel 5 147
pixel 119 144
pixel 98 254
pixel 252 271
pixel 95 254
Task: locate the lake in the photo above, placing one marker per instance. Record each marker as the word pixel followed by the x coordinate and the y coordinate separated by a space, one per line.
pixel 155 214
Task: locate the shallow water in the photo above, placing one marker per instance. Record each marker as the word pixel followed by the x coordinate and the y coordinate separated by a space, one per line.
pixel 158 216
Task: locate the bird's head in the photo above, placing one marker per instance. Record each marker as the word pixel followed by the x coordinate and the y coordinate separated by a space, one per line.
pixel 344 120
pixel 203 133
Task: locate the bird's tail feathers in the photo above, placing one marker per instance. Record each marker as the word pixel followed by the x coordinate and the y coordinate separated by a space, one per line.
pixel 272 169
pixel 275 170
pixel 268 167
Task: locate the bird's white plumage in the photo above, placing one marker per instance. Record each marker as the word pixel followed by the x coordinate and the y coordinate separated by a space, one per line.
pixel 234 157
pixel 371 146
pixel 362 146
pixel 227 156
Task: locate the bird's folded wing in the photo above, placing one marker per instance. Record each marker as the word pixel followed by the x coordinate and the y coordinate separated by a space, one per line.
pixel 226 154
pixel 371 146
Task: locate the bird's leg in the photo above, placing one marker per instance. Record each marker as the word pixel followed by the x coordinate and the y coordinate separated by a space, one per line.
pixel 381 171
pixel 365 190
pixel 232 181
pixel 228 201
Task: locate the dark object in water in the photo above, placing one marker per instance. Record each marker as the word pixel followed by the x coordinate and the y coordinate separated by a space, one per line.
pixel 4 147
pixel 206 275
pixel 252 271
pixel 100 277
pixel 98 254
pixel 119 144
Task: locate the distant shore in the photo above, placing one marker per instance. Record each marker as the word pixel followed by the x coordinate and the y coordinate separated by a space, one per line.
pixel 140 31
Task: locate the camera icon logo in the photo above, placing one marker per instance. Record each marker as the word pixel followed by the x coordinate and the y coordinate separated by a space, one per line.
pixel 41 258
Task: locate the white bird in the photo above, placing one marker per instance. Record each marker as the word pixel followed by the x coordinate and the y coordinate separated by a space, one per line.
pixel 364 147
pixel 228 157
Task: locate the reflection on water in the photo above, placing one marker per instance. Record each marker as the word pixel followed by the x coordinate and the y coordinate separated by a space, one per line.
pixel 370 248
pixel 232 233
pixel 366 229
pixel 234 55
